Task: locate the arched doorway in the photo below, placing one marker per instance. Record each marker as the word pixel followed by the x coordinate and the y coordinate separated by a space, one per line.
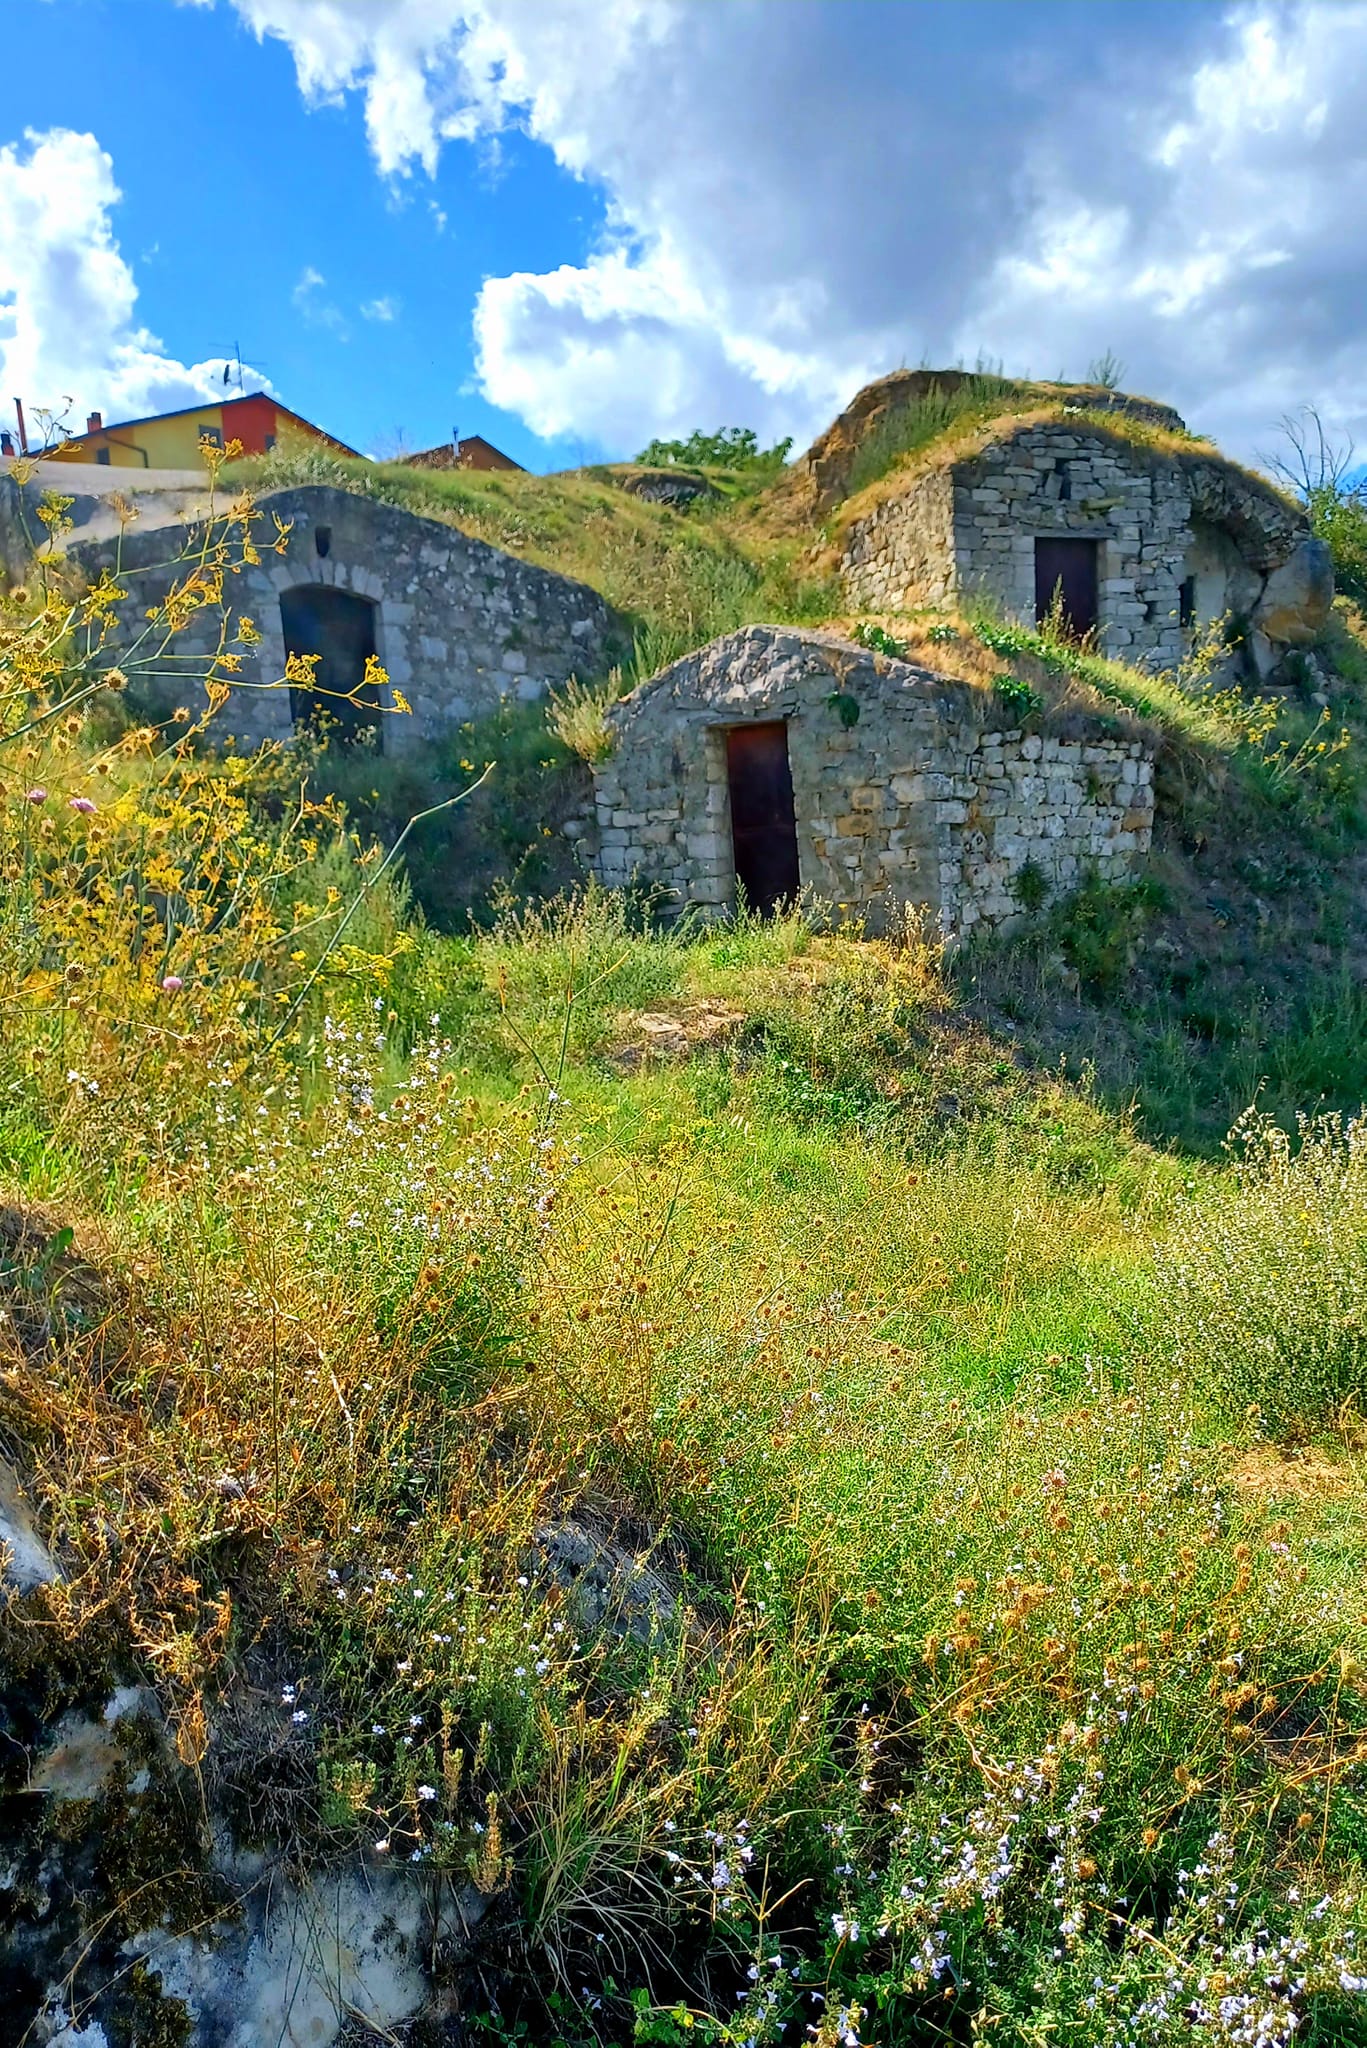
pixel 340 629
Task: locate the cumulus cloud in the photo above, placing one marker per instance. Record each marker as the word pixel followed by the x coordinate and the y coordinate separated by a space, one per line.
pixel 69 334
pixel 384 310
pixel 800 196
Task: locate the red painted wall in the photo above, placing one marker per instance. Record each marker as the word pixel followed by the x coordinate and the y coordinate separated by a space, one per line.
pixel 249 420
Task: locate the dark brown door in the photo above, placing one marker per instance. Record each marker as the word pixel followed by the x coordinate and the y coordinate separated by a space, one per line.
pixel 1071 566
pixel 340 629
pixel 763 826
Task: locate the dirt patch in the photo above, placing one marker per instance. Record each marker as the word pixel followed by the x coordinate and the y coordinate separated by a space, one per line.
pixel 675 1035
pixel 1289 1472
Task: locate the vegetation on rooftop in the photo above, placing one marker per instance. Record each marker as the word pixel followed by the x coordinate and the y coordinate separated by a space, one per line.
pixel 677 578
pixel 938 431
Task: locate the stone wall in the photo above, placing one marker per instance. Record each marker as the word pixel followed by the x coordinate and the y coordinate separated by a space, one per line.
pixel 1158 524
pixel 459 625
pixel 1046 480
pixel 903 554
pixel 922 801
pixel 1263 525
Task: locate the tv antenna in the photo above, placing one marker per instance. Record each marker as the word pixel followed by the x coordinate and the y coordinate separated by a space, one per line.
pixel 232 370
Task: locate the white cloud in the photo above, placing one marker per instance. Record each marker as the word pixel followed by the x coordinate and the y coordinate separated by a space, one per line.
pixel 1234 274
pixel 384 310
pixel 403 53
pixel 310 299
pixel 797 198
pixel 70 341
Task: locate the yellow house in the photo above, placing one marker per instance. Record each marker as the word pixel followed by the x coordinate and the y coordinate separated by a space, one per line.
pixel 171 440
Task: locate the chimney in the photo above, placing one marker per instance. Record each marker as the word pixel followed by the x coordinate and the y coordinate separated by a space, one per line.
pixel 6 442
pixel 94 423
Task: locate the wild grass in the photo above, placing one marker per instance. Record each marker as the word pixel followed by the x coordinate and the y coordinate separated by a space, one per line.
pixel 768 1516
pixel 941 1577
pixel 943 429
pixel 677 578
pixel 578 716
pixel 1267 1285
pixel 907 430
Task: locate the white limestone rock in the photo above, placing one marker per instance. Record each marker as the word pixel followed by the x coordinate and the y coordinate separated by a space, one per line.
pixel 25 1560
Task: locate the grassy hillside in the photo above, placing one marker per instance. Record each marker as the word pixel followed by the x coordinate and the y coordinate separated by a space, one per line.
pixel 678 577
pixel 704 1437
pixel 1233 971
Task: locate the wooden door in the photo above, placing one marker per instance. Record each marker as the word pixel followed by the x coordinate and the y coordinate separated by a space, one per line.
pixel 763 824
pixel 1069 565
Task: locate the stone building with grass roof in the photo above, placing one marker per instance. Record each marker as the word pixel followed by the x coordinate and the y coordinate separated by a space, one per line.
pixel 779 762
pixel 1089 503
pixel 457 626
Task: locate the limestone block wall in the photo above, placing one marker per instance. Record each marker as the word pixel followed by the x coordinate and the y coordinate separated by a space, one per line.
pixel 903 554
pixel 922 801
pixel 458 625
pixel 1044 480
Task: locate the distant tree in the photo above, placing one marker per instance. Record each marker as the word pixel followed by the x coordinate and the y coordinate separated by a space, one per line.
pixel 1333 489
pixel 730 448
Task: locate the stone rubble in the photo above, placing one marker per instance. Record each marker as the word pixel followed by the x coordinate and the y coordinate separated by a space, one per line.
pixel 25 1560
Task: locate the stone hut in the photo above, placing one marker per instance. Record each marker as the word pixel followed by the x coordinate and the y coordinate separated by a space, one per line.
pixel 459 626
pixel 777 760
pixel 1145 541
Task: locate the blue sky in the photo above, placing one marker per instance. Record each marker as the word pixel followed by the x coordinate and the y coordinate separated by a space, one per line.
pixel 234 191
pixel 591 221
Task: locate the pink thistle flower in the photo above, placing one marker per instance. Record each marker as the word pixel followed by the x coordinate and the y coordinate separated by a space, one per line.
pixel 35 796
pixel 172 984
pixel 83 805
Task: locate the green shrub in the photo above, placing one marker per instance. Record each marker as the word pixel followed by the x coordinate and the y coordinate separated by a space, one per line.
pixel 1340 518
pixel 1262 1294
pixel 1020 698
pixel 1030 886
pixel 730 448
pixel 878 642
pixel 1098 928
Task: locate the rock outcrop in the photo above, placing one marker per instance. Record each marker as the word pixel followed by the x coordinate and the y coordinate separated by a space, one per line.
pixel 675 488
pixel 1297 597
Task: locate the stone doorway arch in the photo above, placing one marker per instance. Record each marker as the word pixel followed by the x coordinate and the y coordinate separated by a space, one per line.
pixel 339 627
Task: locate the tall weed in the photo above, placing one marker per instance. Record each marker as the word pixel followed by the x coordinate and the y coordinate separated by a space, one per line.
pixel 1263 1287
